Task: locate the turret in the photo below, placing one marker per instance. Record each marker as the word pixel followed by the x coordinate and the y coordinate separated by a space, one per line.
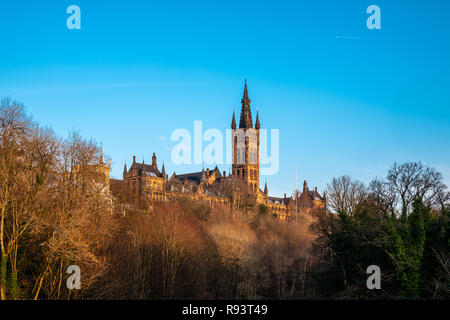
pixel 233 122
pixel 163 172
pixel 142 169
pixel 203 178
pixel 125 170
pixel 257 125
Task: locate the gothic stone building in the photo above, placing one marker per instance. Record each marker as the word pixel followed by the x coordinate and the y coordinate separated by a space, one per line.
pixel 154 185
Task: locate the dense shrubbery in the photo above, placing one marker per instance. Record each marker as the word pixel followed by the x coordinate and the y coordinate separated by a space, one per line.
pixel 403 227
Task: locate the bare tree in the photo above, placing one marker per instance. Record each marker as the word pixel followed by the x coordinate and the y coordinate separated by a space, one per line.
pixel 441 281
pixel 75 221
pixel 14 127
pixel 344 194
pixel 409 181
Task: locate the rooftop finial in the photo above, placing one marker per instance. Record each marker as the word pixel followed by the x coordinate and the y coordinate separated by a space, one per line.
pixel 233 122
pixel 245 90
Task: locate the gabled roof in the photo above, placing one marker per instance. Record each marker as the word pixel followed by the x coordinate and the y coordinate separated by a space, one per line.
pixel 194 176
pixel 310 195
pixel 314 195
pixel 217 171
pixel 197 176
pixel 150 171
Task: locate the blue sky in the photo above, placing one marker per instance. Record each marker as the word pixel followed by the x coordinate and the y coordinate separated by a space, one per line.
pixel 346 99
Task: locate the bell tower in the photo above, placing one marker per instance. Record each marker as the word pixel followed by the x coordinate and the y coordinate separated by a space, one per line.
pixel 245 141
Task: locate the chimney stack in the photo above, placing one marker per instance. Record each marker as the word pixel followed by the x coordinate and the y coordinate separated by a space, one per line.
pixel 154 164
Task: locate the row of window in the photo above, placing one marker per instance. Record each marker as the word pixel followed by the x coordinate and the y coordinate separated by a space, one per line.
pixel 253 173
pixel 278 209
pixel 155 197
pixel 241 156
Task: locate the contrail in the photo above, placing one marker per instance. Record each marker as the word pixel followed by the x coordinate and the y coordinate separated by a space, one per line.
pixel 354 38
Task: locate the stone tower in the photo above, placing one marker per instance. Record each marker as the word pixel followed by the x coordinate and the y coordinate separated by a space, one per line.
pixel 246 145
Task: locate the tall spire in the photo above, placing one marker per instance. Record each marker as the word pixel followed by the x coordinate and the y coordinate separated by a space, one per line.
pixel 125 168
pixel 245 90
pixel 266 191
pixel 246 114
pixel 257 125
pixel 163 172
pixel 233 122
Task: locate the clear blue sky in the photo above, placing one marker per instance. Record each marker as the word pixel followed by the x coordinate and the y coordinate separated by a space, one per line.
pixel 347 100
